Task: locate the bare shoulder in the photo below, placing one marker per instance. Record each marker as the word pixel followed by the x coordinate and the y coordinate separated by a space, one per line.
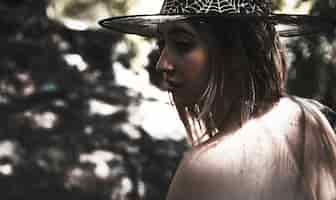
pixel 319 151
pixel 313 125
pixel 254 162
pixel 313 113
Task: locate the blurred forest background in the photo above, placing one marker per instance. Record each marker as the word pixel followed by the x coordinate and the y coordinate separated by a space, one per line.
pixel 75 126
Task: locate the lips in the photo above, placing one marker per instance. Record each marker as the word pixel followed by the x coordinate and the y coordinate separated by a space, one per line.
pixel 170 85
pixel 174 84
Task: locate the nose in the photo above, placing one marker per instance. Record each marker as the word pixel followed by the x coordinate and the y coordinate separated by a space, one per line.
pixel 164 64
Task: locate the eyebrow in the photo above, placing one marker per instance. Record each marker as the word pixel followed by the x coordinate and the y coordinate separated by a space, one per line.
pixel 179 30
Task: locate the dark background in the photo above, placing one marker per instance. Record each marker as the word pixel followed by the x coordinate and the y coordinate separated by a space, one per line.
pixel 39 161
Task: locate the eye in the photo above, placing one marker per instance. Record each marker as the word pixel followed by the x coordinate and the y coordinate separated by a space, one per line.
pixel 183 46
pixel 160 43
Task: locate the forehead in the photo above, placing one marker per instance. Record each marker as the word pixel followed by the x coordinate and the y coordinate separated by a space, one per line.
pixel 177 27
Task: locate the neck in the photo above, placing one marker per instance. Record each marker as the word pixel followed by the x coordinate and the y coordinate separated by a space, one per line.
pixel 238 115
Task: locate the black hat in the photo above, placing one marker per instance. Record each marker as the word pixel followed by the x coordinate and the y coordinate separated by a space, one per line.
pixel 253 10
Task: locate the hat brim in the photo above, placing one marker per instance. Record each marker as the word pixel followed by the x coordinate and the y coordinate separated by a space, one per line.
pixel 287 25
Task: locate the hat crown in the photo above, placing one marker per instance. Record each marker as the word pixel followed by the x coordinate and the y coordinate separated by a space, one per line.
pixel 258 7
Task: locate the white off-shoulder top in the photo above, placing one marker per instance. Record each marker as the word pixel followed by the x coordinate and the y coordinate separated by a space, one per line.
pixel 256 162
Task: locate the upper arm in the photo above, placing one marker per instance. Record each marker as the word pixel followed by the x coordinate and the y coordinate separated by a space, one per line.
pixel 319 170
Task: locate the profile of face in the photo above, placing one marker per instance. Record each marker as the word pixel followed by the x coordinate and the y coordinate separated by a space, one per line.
pixel 183 62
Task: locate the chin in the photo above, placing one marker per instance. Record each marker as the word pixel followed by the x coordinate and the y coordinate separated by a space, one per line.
pixel 184 100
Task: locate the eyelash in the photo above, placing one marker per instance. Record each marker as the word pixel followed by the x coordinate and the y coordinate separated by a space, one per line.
pixel 183 46
pixel 160 44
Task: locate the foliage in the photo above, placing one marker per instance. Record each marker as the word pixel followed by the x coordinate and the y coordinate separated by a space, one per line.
pixel 313 69
pixel 278 4
pixel 52 144
pixel 89 9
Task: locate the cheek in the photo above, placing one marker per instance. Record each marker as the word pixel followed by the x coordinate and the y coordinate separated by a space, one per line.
pixel 195 65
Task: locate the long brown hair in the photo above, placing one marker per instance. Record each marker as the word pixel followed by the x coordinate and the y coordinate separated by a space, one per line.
pixel 247 75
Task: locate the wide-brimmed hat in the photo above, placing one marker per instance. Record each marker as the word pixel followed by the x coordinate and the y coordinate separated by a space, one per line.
pixel 288 25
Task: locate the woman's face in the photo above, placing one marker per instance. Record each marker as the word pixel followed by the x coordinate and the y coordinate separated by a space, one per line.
pixel 183 62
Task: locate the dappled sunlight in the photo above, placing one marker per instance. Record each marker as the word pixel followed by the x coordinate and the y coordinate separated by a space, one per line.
pixel 100 159
pixel 6 169
pixel 75 117
pixel 130 130
pixel 45 120
pixel 101 108
pixel 9 157
pixel 76 60
pixel 80 115
pixel 153 116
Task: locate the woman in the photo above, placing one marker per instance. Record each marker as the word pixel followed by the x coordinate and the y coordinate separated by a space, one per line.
pixel 225 68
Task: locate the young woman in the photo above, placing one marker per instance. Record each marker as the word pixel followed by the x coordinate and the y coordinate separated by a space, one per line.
pixel 225 68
